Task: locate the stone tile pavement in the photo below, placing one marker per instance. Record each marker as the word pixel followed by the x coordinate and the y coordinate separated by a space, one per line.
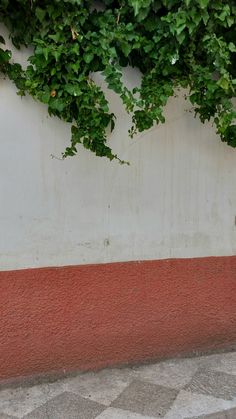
pixel 197 388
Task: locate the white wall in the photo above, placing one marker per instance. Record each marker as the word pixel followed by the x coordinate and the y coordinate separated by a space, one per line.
pixel 176 199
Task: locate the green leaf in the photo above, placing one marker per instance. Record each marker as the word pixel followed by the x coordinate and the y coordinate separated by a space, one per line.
pixel 223 82
pixel 88 57
pixel 40 13
pixel 56 37
pixel 73 89
pixel 203 3
pixel 180 28
pixel 205 17
pixel 230 135
pixel 232 47
pixel 57 104
pixel 181 37
pixel 136 5
pixel 56 54
pixel 126 48
pixel 230 21
pixel 45 53
pixel 45 97
pixel 5 56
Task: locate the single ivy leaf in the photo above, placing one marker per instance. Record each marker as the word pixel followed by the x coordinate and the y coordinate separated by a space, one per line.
pixel 88 57
pixel 57 55
pixel 45 53
pixel 232 47
pixel 45 97
pixel 203 3
pixel 136 5
pixel 55 37
pixel 230 135
pixel 126 49
pixel 230 21
pixel 205 17
pixel 223 82
pixel 180 28
pixel 181 37
pixel 140 6
pixel 40 13
pixel 142 14
pixel 5 56
pixel 57 104
pixel 73 89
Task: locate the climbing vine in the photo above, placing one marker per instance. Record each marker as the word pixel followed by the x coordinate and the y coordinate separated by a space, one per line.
pixel 174 43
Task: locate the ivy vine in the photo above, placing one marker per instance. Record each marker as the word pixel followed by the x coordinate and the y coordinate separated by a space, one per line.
pixel 174 43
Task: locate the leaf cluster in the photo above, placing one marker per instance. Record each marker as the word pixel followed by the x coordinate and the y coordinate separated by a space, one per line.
pixel 174 43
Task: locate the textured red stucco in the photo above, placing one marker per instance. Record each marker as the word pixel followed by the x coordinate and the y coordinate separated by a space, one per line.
pixel 84 317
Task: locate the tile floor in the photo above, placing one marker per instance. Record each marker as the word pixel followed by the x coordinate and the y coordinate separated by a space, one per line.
pixel 197 388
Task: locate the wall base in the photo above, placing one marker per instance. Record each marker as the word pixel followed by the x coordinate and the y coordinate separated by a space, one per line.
pixel 93 316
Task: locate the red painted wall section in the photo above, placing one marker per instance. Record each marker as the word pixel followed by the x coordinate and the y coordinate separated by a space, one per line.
pixel 88 317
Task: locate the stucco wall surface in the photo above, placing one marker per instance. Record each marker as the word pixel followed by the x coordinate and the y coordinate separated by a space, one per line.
pixel 92 316
pixel 163 216
pixel 176 199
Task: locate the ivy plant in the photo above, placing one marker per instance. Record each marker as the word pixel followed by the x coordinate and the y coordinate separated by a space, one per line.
pixel 174 43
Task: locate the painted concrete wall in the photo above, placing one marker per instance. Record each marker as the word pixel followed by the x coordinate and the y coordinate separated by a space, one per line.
pixel 176 199
pixel 55 320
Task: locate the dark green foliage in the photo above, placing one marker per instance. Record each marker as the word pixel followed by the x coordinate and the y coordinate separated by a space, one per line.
pixel 188 43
